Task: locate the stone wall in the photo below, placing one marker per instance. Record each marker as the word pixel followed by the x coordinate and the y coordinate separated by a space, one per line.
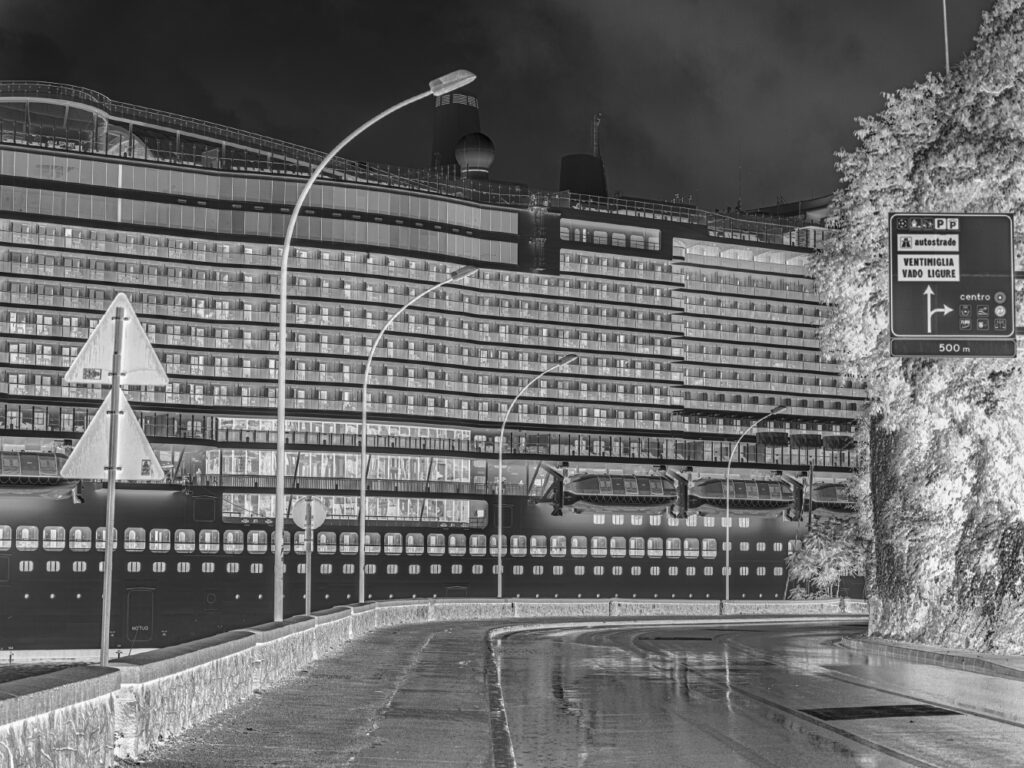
pixel 88 716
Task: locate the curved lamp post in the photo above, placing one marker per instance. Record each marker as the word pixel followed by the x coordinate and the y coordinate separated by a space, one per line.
pixel 567 360
pixel 458 274
pixel 728 470
pixel 444 84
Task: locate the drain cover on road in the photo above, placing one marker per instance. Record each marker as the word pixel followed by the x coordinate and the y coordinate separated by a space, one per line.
pixel 892 710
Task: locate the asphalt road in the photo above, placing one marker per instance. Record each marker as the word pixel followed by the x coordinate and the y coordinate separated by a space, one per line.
pixel 722 695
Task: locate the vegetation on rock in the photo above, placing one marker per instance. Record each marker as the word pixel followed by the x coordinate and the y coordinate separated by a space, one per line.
pixel 942 497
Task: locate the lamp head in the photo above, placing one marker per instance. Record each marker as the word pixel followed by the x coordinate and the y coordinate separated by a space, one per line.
pixel 463 272
pixel 777 409
pixel 451 82
pixel 568 359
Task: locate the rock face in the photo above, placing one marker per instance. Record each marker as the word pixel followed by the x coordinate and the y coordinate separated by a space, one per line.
pixel 942 498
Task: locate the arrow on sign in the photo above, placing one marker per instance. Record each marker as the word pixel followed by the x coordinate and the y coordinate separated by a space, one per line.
pixel 945 309
pixel 135 455
pixel 139 361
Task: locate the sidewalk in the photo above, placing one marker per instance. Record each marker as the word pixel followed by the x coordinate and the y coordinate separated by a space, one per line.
pixel 410 696
pixel 995 664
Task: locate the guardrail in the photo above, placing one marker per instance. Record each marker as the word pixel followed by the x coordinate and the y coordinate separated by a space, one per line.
pixel 92 716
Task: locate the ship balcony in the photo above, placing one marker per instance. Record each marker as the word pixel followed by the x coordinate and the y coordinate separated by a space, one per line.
pixel 788 389
pixel 717 261
pixel 745 360
pixel 774 339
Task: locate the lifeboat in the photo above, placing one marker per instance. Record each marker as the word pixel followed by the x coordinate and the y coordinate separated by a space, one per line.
pixel 33 473
pixel 749 497
pixel 599 492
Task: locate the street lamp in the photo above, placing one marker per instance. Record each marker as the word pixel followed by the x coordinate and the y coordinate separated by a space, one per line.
pixel 728 470
pixel 438 87
pixel 567 360
pixel 458 274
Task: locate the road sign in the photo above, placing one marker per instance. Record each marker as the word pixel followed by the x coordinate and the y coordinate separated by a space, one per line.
pixel 951 286
pixel 135 457
pixel 308 513
pixel 139 362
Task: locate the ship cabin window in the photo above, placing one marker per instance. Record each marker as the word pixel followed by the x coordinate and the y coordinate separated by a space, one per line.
pixel 578 546
pixel 617 546
pixel 372 544
pixel 134 539
pixel 28 538
pixel 184 541
pixel 54 538
pixel 414 569
pixel 457 544
pixel 209 541
pixel 477 545
pixel 256 542
pixel 744 546
pixel 709 570
pixel 348 544
pixel 234 542
pixel 655 547
pixel 709 548
pixel 673 547
pixel 538 546
pixel 80 539
pixel 160 540
pixel 101 539
pixel 414 544
pixel 492 545
pixel 326 569
pixel 691 548
pixel 599 546
pixel 518 546
pixel 392 544
pixel 558 544
pixel 5 537
pixel 636 546
pixel 435 544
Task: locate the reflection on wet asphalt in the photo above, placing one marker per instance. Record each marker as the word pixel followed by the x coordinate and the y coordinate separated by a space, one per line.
pixel 733 696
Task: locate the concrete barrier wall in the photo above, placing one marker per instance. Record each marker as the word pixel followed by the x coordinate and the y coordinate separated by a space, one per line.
pixel 62 718
pixel 86 716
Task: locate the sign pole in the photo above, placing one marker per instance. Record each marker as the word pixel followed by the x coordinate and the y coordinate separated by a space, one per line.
pixel 309 562
pixel 108 551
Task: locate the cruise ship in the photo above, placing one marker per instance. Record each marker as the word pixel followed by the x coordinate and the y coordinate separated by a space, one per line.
pixel 689 327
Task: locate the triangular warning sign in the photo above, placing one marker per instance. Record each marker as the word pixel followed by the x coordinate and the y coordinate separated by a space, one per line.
pixel 139 362
pixel 135 457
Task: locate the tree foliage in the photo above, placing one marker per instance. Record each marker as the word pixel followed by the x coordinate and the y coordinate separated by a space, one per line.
pixel 829 551
pixel 943 493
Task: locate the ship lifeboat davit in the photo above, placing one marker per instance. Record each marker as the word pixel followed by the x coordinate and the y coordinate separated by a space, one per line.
pixel 595 492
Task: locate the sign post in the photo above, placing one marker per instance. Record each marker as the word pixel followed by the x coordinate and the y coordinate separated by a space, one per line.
pixel 119 350
pixel 309 513
pixel 951 285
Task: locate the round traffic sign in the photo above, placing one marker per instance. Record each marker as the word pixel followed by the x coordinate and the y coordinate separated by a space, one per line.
pixel 307 512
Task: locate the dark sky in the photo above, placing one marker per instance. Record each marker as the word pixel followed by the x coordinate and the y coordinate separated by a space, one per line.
pixel 690 90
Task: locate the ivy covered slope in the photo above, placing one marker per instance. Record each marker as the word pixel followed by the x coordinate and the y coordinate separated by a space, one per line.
pixel 943 492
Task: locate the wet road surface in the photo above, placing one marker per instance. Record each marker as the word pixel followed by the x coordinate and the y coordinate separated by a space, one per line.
pixel 738 696
pixel 706 695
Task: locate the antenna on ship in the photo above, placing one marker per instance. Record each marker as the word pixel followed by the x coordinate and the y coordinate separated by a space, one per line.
pixel 595 135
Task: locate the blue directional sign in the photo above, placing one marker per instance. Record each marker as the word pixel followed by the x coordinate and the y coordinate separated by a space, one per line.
pixel 951 287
